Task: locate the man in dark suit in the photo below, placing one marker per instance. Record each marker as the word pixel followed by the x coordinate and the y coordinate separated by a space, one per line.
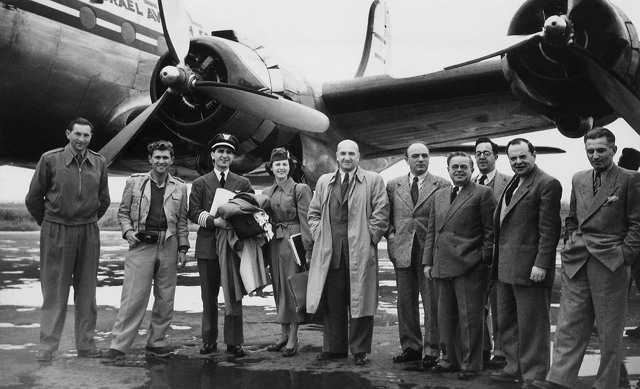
pixel 203 192
pixel 408 196
pixel 527 230
pixel 486 157
pixel 602 241
pixel 457 255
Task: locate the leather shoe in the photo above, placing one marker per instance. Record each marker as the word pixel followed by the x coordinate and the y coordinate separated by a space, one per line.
pixel 236 350
pixel 429 361
pixel 503 376
pixel 407 355
pixel 439 369
pixel 327 356
pixel 208 348
pixel 93 353
pixel 113 356
pixel 277 346
pixel 496 362
pixel 466 375
pixel 360 359
pixel 634 333
pixel 289 352
pixel 536 384
pixel 44 356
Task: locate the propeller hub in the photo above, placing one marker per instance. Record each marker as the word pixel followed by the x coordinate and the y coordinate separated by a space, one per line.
pixel 557 30
pixel 177 78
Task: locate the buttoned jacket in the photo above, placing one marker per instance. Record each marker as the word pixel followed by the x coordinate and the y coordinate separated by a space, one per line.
pixel 459 238
pixel 606 225
pixel 528 232
pixel 407 219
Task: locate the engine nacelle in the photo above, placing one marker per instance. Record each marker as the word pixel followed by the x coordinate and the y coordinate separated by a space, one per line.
pixel 574 126
pixel 196 118
pixel 554 81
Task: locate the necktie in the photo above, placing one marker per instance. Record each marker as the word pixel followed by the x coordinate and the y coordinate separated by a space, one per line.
pixel 79 159
pixel 344 187
pixel 483 178
pixel 510 190
pixel 596 183
pixel 222 180
pixel 454 193
pixel 414 190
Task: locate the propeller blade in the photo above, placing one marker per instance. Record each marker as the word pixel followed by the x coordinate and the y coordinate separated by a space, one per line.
pixel 612 89
pixel 271 107
pixel 511 41
pixel 111 150
pixel 571 4
pixel 175 26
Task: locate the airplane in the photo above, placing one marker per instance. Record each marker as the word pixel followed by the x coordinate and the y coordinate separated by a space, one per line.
pixel 573 66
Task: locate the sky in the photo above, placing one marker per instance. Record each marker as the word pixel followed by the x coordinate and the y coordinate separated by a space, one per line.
pixel 325 39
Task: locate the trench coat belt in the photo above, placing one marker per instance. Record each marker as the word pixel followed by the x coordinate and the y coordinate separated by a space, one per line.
pixel 280 226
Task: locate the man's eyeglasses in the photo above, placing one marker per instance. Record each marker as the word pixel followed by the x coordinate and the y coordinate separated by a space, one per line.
pixel 484 153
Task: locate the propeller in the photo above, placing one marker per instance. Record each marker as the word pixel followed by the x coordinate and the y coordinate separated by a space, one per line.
pixel 271 107
pixel 180 79
pixel 558 32
pixel 612 88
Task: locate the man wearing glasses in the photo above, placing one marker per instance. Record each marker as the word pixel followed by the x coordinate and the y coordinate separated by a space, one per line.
pixel 153 217
pixel 486 157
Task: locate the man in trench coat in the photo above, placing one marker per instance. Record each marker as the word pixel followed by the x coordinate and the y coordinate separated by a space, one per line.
pixel 348 215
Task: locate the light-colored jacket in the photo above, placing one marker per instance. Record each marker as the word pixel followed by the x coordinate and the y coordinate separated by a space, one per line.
pixel 407 219
pixel 606 225
pixel 368 221
pixel 134 206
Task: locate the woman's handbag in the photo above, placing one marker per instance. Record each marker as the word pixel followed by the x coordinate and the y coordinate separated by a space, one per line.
pixel 298 285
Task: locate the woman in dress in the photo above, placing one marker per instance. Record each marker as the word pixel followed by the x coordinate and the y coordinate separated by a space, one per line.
pixel 289 207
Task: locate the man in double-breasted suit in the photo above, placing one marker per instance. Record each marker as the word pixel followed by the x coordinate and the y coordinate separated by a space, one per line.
pixel 527 230
pixel 457 255
pixel 203 191
pixel 486 158
pixel 408 219
pixel 602 240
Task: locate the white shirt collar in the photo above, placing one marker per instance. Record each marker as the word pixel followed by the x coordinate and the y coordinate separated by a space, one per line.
pixel 490 176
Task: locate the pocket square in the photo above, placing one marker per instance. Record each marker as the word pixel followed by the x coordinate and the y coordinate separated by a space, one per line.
pixel 611 199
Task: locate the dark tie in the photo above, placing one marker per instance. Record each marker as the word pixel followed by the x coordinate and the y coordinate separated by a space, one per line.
pixel 79 159
pixel 596 183
pixel 222 180
pixel 510 190
pixel 454 193
pixel 414 190
pixel 344 187
pixel 483 178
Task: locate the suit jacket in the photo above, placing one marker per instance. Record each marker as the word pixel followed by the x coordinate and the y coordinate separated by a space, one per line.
pixel 203 191
pixel 499 184
pixel 528 233
pixel 407 219
pixel 460 234
pixel 606 225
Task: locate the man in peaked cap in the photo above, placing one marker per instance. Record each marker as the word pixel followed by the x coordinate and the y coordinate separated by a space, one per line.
pixel 203 190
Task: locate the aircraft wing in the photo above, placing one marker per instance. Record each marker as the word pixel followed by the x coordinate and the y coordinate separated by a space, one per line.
pixel 445 108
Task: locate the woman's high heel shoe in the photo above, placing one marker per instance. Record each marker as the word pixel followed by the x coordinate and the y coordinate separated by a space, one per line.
pixel 277 346
pixel 289 352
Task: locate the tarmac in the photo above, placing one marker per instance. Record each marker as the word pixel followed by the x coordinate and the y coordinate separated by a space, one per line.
pixel 20 318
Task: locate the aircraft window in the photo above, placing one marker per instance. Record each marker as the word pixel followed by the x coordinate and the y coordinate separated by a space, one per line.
pixel 87 18
pixel 128 32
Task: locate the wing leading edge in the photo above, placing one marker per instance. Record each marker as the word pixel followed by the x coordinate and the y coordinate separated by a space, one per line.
pixel 445 108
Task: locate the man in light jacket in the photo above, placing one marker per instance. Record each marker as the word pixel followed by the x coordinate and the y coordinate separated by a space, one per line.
pixel 348 215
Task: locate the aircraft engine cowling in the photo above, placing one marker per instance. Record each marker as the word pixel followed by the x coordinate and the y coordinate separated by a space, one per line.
pixel 554 81
pixel 196 118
